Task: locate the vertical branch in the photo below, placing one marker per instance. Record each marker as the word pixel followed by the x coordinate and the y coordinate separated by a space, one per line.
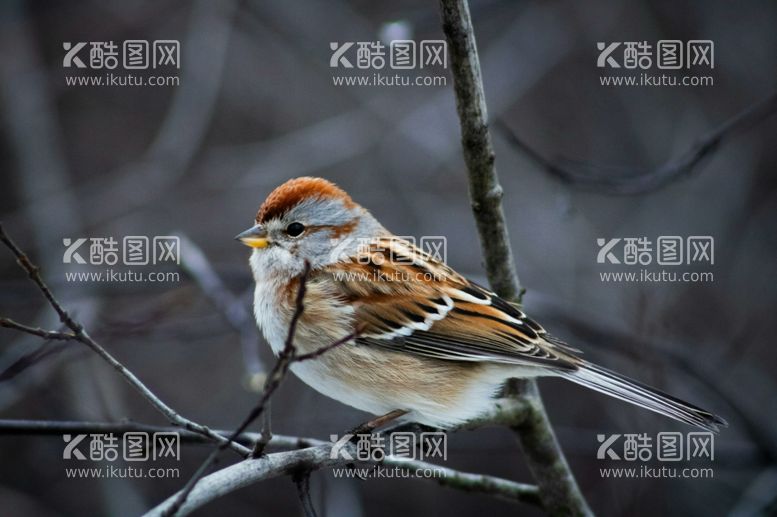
pixel 484 188
pixel 559 492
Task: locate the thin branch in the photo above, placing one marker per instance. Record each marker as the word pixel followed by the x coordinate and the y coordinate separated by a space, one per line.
pixel 503 410
pixel 36 331
pixel 301 479
pixel 485 190
pixel 476 483
pixel 266 435
pixel 196 264
pixel 59 427
pixel 286 357
pixel 47 349
pixel 80 334
pixel 250 471
pixel 205 491
pixel 558 489
pixel 654 179
pixel 324 349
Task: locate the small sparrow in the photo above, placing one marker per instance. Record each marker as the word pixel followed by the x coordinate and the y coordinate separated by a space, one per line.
pixel 430 342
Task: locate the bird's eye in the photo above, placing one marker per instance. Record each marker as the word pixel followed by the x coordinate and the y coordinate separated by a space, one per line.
pixel 295 229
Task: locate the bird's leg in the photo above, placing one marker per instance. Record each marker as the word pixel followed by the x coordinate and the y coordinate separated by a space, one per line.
pixel 411 427
pixel 415 428
pixel 368 427
pixel 371 425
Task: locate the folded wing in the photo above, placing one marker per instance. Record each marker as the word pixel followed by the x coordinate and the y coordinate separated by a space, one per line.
pixel 406 300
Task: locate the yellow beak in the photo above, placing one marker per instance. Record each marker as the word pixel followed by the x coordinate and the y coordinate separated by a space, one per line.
pixel 254 237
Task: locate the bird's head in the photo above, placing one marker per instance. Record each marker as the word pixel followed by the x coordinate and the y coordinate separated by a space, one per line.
pixel 306 220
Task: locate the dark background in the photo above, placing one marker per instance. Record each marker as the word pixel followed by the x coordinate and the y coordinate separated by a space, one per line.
pixel 256 106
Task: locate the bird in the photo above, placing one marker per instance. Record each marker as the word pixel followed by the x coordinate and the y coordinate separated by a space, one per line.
pixel 426 340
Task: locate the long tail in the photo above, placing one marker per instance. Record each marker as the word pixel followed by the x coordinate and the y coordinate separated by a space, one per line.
pixel 621 387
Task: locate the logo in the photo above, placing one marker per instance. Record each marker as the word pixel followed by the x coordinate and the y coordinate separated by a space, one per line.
pixel 669 54
pixel 426 248
pixel 605 449
pixel 402 54
pixel 165 249
pixel 667 62
pixel 71 443
pixel 71 57
pixel 135 446
pixel 400 445
pixel 135 54
pixel 101 63
pixel 605 251
pixel 668 250
pixel 701 53
pixel 664 54
pixel 399 55
pixel 701 249
pixel 338 56
pixel 131 251
pixel 664 447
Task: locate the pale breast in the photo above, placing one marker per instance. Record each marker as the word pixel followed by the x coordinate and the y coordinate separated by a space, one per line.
pixel 325 318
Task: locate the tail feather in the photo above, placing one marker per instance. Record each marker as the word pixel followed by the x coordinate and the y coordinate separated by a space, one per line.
pixel 621 387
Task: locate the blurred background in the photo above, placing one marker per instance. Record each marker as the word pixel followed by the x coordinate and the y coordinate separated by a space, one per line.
pixel 256 104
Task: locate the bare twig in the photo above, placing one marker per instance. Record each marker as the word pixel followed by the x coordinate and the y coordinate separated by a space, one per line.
pixel 58 427
pixel 250 471
pixel 324 349
pixel 485 190
pixel 81 335
pixel 205 491
pixel 36 331
pixel 301 479
pixel 196 264
pixel 503 409
pixel 48 348
pixel 286 357
pixel 558 489
pixel 654 179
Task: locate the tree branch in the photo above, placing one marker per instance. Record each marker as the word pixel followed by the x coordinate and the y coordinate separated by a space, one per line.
pixel 286 357
pixel 210 488
pixel 558 489
pixel 36 331
pixel 196 264
pixel 312 454
pixel 80 334
pixel 503 409
pixel 655 179
pixel 485 190
pixel 250 471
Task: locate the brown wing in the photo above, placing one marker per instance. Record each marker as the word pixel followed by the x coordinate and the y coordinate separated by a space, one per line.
pixel 406 300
